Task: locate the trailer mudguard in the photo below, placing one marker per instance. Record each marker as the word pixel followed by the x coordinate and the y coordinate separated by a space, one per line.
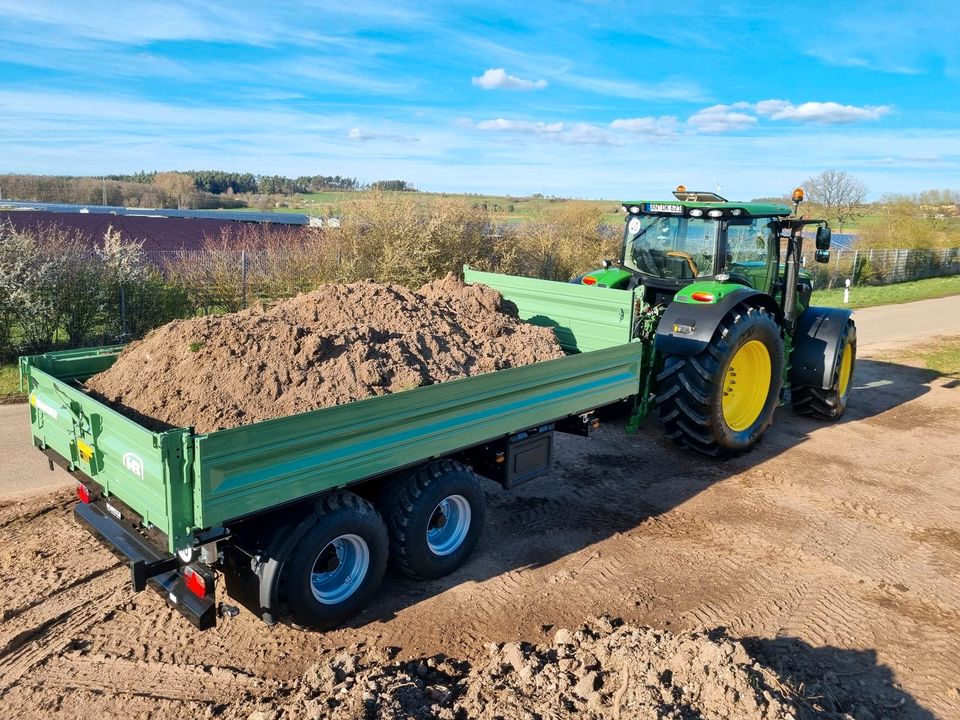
pixel 686 328
pixel 815 346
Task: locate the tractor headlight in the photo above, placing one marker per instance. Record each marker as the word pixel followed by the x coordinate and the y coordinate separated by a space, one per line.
pixel 715 213
pixel 634 209
pixel 696 212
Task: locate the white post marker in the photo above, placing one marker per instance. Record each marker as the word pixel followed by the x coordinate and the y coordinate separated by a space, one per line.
pixel 846 292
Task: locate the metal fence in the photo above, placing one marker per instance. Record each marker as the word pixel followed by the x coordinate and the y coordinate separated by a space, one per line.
pixel 881 267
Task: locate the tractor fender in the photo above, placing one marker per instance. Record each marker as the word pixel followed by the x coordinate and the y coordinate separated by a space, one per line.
pixel 815 346
pixel 687 328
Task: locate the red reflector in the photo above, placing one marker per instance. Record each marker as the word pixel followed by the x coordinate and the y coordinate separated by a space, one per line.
pixel 701 296
pixel 83 493
pixel 195 582
pixel 589 280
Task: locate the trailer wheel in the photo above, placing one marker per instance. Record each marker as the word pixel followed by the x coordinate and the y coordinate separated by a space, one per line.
pixel 434 517
pixel 337 565
pixel 721 400
pixel 830 403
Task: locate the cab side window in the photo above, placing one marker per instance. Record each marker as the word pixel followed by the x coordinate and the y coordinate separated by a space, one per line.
pixel 749 247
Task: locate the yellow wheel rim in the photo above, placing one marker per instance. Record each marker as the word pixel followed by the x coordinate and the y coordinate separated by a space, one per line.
pixel 846 369
pixel 746 386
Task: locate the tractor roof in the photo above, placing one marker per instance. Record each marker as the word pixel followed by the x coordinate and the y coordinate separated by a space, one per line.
pixel 706 201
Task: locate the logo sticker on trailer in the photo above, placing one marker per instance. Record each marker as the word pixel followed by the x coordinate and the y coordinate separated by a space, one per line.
pixel 134 464
pixel 43 407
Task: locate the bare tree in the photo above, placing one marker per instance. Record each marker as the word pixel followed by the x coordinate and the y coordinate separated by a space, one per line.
pixel 177 186
pixel 840 194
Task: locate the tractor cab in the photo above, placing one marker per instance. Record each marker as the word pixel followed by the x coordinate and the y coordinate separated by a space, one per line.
pixel 700 236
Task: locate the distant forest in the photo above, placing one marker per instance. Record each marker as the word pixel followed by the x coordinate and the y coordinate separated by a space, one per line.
pixel 189 188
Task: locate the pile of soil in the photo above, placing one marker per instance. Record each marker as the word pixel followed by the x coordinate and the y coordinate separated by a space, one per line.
pixel 328 347
pixel 606 669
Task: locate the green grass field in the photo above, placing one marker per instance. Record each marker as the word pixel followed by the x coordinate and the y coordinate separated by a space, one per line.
pixel 868 296
pixel 9 382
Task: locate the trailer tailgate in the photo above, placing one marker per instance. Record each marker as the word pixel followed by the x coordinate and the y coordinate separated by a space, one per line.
pixel 146 470
pixel 584 318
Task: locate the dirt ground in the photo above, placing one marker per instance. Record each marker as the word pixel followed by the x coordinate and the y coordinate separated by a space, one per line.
pixel 831 552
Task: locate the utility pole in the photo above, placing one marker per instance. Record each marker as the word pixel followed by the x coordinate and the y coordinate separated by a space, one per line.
pixel 103 182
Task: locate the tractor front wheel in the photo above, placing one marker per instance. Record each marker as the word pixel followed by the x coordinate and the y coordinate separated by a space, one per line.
pixel 830 403
pixel 721 400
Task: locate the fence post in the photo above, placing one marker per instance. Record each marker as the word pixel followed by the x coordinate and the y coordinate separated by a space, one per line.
pixel 853 272
pixel 123 312
pixel 243 276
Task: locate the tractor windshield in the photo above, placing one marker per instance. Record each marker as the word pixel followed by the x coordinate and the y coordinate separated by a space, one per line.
pixel 678 248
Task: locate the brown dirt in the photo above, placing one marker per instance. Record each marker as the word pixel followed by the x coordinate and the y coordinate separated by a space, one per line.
pixel 606 669
pixel 328 347
pixel 829 554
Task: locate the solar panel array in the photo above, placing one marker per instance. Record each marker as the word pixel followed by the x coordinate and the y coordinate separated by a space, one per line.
pixel 236 216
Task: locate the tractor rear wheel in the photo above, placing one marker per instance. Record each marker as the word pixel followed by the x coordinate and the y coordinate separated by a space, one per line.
pixel 831 403
pixel 721 400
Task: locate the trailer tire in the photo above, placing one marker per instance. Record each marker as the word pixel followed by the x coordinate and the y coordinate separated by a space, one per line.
pixel 830 403
pixel 337 565
pixel 700 405
pixel 434 516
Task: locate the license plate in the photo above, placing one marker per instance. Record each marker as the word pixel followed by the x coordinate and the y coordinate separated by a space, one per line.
pixel 113 511
pixel 665 208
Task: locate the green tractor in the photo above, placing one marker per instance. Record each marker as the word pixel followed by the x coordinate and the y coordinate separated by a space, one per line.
pixel 733 323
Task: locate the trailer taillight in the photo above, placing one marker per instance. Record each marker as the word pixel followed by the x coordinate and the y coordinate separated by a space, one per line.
pixel 195 582
pixel 701 296
pixel 83 493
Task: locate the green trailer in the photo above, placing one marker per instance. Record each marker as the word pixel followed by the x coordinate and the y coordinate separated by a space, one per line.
pixel 300 513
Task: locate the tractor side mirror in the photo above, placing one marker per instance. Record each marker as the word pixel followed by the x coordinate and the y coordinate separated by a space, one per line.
pixel 822 256
pixel 823 238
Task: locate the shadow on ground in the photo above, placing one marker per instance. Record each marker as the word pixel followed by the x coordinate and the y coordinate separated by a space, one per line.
pixel 829 682
pixel 593 493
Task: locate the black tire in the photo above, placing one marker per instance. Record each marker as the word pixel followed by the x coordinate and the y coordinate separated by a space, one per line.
pixel 829 404
pixel 690 388
pixel 411 501
pixel 337 515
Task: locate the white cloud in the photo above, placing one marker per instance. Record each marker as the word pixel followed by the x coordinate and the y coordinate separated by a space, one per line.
pixel 519 126
pixel 574 134
pixel 671 89
pixel 498 79
pixel 360 135
pixel 721 118
pixel 587 134
pixel 823 113
pixel 663 126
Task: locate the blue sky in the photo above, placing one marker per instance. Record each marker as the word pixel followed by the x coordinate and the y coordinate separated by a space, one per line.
pixel 585 99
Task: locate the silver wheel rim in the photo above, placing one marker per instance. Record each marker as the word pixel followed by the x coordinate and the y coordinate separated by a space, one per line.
pixel 449 525
pixel 339 569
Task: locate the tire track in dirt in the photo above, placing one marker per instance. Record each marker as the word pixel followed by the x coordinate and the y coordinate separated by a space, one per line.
pixel 49 627
pixel 12 514
pixel 180 682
